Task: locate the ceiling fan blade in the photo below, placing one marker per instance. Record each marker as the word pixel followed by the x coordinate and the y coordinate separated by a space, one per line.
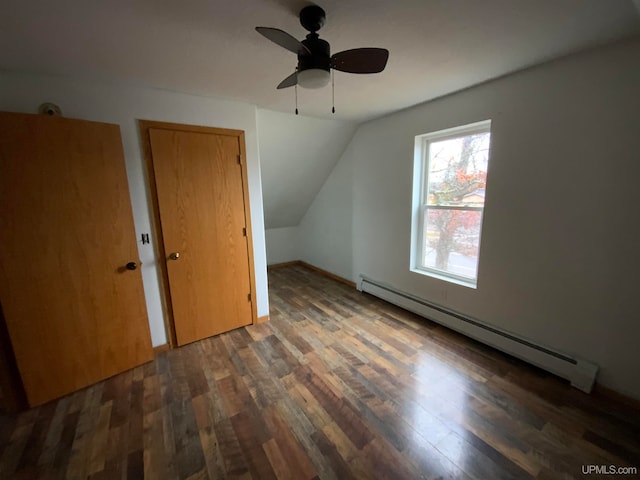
pixel 361 60
pixel 283 39
pixel 290 81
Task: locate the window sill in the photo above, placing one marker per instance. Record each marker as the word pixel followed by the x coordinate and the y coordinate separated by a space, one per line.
pixel 445 278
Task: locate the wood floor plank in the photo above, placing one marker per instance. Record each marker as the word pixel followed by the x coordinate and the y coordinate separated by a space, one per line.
pixel 339 467
pixel 305 400
pixel 342 411
pixel 287 444
pixel 257 460
pixel 298 420
pixel 337 385
pixel 14 450
pixel 278 463
pixel 188 457
pixel 99 440
pixel 348 452
pixel 63 449
pixel 154 460
pixel 135 415
pixel 54 432
pixel 115 465
pixel 85 433
pixel 386 462
pixel 477 460
pixel 36 442
pixel 235 463
pixel 210 449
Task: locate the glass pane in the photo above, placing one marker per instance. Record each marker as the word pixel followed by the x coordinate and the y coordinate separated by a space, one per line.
pixel 457 172
pixel 452 241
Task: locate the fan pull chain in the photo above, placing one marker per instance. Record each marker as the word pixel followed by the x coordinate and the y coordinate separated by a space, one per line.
pixel 296 89
pixel 333 92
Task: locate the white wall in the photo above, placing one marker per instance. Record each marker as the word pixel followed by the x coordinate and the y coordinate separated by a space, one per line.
pixel 123 105
pixel 326 230
pixel 282 245
pixel 297 154
pixel 559 257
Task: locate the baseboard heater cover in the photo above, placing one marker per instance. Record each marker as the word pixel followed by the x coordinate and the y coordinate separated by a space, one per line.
pixel 581 373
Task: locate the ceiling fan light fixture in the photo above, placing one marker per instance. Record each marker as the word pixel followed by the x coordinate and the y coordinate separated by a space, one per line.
pixel 313 78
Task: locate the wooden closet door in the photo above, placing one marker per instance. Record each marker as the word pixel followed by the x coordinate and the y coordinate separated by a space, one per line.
pixel 74 312
pixel 199 185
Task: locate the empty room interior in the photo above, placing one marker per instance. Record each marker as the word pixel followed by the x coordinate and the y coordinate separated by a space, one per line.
pixel 279 239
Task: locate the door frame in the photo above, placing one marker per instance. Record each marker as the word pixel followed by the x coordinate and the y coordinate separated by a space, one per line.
pixel 156 223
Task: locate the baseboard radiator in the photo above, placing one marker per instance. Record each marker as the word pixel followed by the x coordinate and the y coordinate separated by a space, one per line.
pixel 580 373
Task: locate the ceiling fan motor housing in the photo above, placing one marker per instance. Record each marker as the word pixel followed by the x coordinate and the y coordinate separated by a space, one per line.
pixel 312 18
pixel 320 54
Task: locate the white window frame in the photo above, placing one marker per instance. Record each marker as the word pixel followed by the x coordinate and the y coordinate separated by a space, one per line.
pixel 420 192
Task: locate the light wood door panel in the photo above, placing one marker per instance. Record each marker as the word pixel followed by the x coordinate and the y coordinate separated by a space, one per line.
pixel 199 185
pixel 74 313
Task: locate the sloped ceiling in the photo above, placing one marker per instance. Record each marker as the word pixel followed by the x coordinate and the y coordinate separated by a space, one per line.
pixel 297 154
pixel 209 47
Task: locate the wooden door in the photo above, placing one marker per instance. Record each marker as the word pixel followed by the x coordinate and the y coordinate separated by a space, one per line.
pixel 201 203
pixel 74 312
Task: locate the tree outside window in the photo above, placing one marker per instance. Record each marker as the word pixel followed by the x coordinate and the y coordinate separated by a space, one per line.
pixel 454 170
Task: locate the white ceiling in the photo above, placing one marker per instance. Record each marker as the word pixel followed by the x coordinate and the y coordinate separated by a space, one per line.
pixel 209 47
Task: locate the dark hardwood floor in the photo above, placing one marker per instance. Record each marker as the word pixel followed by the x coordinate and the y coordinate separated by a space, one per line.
pixel 337 385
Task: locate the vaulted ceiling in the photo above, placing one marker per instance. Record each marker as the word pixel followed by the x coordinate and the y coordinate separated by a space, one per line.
pixel 210 47
pixel 296 156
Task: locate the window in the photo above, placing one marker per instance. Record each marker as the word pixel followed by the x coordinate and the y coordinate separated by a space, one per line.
pixel 450 178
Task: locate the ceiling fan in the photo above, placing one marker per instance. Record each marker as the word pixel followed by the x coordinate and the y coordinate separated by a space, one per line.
pixel 314 55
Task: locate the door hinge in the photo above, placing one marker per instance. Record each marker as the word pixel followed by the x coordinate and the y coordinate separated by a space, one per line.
pixel 244 232
pixel 240 159
pixel 249 297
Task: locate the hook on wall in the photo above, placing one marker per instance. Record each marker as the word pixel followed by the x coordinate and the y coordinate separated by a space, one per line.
pixel 50 109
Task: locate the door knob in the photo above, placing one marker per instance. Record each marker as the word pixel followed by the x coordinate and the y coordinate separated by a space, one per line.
pixel 174 256
pixel 131 266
